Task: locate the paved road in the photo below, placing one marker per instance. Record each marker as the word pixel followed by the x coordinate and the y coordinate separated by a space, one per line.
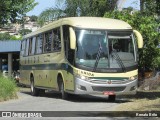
pixel 53 102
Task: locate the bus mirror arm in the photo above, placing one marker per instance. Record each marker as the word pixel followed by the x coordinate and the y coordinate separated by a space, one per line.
pixel 139 38
pixel 72 38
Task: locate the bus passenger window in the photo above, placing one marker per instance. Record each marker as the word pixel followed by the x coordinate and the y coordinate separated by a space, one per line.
pixel 69 53
pixel 39 44
pixel 23 43
pixel 30 46
pixel 27 48
pixel 56 39
pixel 48 41
pixel 33 46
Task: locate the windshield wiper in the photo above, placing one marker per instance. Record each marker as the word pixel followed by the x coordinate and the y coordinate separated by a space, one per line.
pixel 98 57
pixel 119 61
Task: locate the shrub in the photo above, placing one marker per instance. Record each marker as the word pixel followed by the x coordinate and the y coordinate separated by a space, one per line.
pixel 8 89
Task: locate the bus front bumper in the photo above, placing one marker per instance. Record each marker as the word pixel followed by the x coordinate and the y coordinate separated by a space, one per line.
pixel 89 88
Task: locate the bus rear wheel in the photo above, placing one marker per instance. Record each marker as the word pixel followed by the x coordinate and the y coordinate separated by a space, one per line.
pixel 34 91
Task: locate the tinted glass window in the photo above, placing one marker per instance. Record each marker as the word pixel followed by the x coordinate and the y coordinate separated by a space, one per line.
pixel 30 46
pixel 27 48
pixel 33 46
pixel 39 44
pixel 56 39
pixel 48 41
pixel 23 43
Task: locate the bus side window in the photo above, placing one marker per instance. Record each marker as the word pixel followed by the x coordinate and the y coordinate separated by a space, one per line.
pixel 69 53
pixel 23 43
pixel 48 41
pixel 27 48
pixel 39 44
pixel 33 46
pixel 56 39
pixel 30 46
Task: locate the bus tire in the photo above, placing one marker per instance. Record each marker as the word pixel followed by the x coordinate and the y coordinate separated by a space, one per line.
pixel 34 91
pixel 111 98
pixel 61 89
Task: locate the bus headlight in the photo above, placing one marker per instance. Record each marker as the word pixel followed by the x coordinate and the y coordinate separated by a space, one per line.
pixel 133 77
pixel 82 77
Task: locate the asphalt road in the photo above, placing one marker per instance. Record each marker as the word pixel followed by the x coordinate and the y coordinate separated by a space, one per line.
pixel 51 101
pixel 78 105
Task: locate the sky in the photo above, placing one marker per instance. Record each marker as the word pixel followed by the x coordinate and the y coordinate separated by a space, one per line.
pixel 44 4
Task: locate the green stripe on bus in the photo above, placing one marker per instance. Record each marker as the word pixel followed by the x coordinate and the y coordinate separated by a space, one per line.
pixel 51 66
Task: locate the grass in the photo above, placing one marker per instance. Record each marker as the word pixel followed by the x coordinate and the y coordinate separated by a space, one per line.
pixel 8 89
pixel 140 105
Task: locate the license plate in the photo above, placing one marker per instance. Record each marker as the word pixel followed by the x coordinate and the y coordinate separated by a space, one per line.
pixel 108 93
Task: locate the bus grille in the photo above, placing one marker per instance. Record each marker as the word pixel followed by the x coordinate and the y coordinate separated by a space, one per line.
pixel 101 89
pixel 124 81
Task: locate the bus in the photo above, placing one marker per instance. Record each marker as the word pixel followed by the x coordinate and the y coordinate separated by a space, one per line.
pixel 81 55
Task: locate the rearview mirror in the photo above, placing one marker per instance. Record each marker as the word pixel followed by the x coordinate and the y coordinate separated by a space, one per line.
pixel 139 38
pixel 72 38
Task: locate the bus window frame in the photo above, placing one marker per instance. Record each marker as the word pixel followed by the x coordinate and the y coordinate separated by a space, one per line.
pixel 58 30
pixel 37 47
pixel 44 43
pixel 33 46
pixel 27 48
pixel 23 47
pixel 30 46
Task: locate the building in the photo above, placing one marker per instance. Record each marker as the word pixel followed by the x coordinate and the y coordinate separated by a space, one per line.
pixel 14 28
pixel 9 55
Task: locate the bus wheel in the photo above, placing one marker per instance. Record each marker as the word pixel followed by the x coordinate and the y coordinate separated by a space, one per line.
pixel 61 88
pixel 111 98
pixel 34 91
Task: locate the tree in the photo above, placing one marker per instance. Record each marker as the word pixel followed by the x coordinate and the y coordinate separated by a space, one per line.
pixel 89 7
pixel 11 10
pixel 147 25
pixel 49 15
pixel 7 36
pixel 150 6
pixel 52 13
pixel 73 8
pixel 33 18
pixel 25 31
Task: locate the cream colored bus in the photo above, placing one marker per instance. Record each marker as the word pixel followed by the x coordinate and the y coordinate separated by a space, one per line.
pixel 81 55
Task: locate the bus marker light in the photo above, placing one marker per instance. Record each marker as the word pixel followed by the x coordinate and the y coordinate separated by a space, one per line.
pixel 108 93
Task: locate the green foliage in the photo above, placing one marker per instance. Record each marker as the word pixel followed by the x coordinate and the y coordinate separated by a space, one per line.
pixel 73 8
pixel 33 18
pixel 150 7
pixel 89 7
pixel 158 61
pixel 11 10
pixel 8 89
pixel 147 25
pixel 25 31
pixel 18 37
pixel 49 14
pixel 7 36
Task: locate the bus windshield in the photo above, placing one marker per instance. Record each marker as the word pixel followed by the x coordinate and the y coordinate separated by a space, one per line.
pixel 106 51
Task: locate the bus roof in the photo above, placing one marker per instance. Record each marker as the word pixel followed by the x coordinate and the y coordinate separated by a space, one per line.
pixel 85 22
